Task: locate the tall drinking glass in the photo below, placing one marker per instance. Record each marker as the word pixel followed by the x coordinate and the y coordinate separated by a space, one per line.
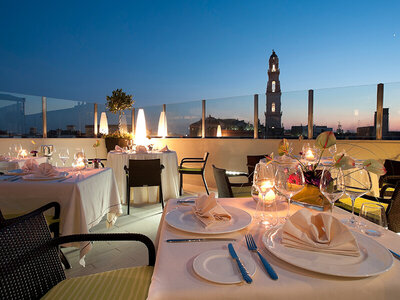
pixel 289 180
pixel 263 181
pixel 357 183
pixel 63 154
pixel 332 184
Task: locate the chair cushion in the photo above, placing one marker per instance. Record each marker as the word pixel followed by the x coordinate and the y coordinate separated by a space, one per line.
pixel 241 192
pixel 49 219
pixel 129 283
pixel 190 169
pixel 346 204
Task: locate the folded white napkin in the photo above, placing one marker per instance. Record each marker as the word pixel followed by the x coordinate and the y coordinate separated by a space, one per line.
pixel 141 149
pixel 30 165
pixel 118 148
pixel 208 210
pixel 165 149
pixel 46 170
pixel 320 233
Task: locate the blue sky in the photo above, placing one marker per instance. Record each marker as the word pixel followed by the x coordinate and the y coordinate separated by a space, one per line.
pixel 175 51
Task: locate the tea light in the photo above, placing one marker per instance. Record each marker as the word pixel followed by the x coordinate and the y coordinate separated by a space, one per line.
pixel 309 155
pixel 79 164
pixel 270 196
pixel 23 153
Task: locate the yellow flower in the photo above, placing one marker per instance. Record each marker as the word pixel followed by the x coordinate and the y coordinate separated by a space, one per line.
pixel 325 140
pixel 97 144
pixel 283 147
pixel 375 167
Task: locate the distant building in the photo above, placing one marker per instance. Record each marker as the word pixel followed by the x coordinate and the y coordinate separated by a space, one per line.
pixel 229 128
pixel 273 115
pixel 299 130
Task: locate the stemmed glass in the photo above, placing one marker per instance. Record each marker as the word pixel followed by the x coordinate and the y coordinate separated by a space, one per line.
pixel 375 213
pixel 263 181
pixel 289 180
pixel 357 183
pixel 63 154
pixel 332 184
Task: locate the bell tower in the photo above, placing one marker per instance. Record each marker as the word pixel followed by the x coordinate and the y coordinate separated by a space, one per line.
pixel 273 115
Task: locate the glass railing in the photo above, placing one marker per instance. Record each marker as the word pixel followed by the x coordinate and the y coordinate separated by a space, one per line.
pixel 20 115
pixel 348 111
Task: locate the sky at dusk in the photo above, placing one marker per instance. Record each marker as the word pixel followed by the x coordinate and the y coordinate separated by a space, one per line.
pixel 178 51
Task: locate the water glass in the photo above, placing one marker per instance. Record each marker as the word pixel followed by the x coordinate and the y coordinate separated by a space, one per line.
pixel 263 182
pixel 289 180
pixel 375 213
pixel 357 183
pixel 63 154
pixel 332 184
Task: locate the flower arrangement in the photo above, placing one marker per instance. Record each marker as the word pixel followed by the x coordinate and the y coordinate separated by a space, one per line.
pixel 324 141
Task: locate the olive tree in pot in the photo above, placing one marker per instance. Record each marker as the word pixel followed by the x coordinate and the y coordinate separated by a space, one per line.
pixel 116 104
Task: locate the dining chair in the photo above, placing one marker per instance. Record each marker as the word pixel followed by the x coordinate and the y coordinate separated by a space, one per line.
pixel 388 181
pixel 252 160
pixel 201 162
pixel 392 206
pixel 30 267
pixel 142 173
pixel 53 222
pixel 226 189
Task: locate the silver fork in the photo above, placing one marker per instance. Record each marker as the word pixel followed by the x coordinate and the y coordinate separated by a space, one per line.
pixel 251 245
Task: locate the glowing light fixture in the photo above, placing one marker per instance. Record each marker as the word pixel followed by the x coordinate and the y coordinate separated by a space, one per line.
pixel 219 131
pixel 162 125
pixel 140 134
pixel 103 123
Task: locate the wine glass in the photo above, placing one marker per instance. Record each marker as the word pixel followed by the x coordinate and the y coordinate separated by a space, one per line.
pixel 375 213
pixel 357 183
pixel 289 180
pixel 263 181
pixel 63 154
pixel 332 184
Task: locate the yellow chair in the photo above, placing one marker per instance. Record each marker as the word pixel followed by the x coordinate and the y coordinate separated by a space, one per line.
pixel 31 268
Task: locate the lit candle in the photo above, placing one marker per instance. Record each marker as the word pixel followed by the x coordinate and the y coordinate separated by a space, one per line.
pixel 23 153
pixel 79 164
pixel 270 196
pixel 310 155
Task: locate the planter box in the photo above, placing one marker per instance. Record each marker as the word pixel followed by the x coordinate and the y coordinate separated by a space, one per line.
pixel 112 142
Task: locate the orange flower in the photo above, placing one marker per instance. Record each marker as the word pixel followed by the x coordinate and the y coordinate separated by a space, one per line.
pixel 283 148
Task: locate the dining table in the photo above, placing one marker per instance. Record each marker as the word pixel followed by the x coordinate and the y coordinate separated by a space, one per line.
pixel 85 197
pixel 18 163
pixel 179 266
pixel 169 175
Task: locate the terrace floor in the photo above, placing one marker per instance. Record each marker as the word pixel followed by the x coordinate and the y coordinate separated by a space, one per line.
pixel 106 256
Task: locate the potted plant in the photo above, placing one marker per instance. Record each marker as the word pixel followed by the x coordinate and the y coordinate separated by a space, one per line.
pixel 116 104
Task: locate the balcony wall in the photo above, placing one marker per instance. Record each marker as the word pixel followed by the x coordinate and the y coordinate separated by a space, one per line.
pixel 224 153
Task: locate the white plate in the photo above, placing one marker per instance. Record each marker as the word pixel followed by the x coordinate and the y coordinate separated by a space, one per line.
pixel 218 266
pixel 183 218
pixel 374 258
pixel 33 177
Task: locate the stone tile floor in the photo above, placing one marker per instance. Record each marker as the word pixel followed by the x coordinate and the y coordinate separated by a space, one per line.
pixel 106 256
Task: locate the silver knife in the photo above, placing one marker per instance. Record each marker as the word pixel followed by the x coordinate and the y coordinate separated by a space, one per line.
pixel 200 240
pixel 185 201
pixel 243 271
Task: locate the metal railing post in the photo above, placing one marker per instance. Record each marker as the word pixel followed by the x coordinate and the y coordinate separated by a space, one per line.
pixel 203 119
pixel 310 114
pixel 95 131
pixel 44 116
pixel 133 120
pixel 256 116
pixel 379 112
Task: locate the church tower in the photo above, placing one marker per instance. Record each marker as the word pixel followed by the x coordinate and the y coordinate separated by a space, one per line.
pixel 273 115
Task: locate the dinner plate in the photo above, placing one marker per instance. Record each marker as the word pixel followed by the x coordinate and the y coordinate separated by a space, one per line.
pixel 16 172
pixel 218 266
pixel 374 258
pixel 34 177
pixel 183 218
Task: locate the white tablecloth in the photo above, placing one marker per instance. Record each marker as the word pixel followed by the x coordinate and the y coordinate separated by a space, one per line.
pixel 18 163
pixel 84 199
pixel 169 175
pixel 174 278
